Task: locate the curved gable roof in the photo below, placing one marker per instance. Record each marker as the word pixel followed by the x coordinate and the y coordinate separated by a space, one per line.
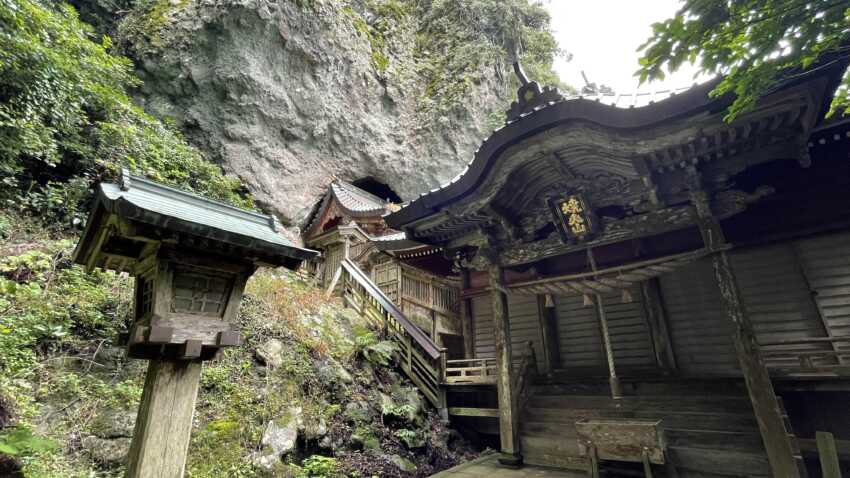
pixel 610 111
pixel 545 109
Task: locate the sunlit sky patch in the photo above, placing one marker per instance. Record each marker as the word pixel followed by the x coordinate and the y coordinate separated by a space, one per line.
pixel 603 37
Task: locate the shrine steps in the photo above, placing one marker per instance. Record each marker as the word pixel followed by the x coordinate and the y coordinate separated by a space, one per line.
pixel 708 434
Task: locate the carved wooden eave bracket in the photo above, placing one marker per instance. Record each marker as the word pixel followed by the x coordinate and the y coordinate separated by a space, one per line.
pixel 778 128
pixel 530 96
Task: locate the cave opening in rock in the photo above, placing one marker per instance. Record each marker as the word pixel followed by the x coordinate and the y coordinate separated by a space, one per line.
pixel 378 188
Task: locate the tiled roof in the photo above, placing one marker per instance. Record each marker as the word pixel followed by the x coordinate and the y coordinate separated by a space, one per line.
pixel 398 236
pixel 630 100
pixel 357 200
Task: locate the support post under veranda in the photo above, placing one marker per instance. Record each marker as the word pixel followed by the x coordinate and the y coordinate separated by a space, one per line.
pixel 508 413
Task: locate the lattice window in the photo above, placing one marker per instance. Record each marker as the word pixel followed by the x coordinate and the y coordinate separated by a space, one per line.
pixel 144 298
pixel 198 293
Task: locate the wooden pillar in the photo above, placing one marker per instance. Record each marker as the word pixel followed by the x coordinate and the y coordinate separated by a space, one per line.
pixel 164 423
pixel 613 379
pixel 549 332
pixel 466 318
pixel 777 442
pixel 651 291
pixel 508 412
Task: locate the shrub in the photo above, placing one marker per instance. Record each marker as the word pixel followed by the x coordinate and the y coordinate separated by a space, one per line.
pixel 319 466
pixel 66 119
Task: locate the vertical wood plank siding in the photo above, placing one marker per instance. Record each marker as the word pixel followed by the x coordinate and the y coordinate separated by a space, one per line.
pixel 629 330
pixel 700 332
pixel 332 263
pixel 525 327
pixel 826 261
pixel 579 337
pixel 777 298
pixel 482 325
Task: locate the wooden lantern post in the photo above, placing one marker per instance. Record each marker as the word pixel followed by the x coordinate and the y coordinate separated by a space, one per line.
pixel 191 258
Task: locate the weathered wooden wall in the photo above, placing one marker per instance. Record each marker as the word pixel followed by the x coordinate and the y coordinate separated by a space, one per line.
pixel 484 344
pixel 700 333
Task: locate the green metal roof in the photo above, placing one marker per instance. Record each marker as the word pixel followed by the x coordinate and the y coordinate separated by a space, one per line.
pixel 146 201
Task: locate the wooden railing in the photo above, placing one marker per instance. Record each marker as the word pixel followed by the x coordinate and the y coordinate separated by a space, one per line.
pixel 421 359
pixel 523 375
pixel 825 355
pixel 471 371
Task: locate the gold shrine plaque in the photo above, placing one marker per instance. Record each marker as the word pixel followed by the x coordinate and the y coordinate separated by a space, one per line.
pixel 573 217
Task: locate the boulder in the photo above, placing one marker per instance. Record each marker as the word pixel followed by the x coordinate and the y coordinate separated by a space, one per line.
pixel 402 463
pixel 270 353
pixel 281 434
pixel 358 411
pixel 265 459
pixel 108 453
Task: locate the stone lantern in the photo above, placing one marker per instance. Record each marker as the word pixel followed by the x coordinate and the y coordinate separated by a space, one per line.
pixel 191 258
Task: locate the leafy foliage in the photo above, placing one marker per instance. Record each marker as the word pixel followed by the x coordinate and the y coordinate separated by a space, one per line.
pixel 319 466
pixel 381 353
pixel 43 297
pixel 18 441
pixel 753 43
pixel 66 119
pixel 458 40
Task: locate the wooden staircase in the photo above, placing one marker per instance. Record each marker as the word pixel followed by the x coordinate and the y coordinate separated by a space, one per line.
pixel 421 359
pixel 709 431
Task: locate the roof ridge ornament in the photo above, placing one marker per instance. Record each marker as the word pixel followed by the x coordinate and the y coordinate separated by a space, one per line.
pixel 124 179
pixel 530 95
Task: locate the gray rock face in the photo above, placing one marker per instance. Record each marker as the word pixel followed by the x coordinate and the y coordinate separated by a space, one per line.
pixel 287 98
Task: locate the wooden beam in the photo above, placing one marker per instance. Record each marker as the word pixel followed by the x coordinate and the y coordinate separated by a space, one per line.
pixel 164 424
pixel 508 413
pixel 657 317
pixel 777 441
pixel 474 412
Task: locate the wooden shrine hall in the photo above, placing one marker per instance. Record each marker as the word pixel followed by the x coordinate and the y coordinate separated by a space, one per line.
pixel 652 289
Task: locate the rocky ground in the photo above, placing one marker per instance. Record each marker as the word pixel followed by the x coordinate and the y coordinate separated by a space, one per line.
pixel 314 392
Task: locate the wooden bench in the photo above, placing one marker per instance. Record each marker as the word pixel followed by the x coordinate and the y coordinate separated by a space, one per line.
pixel 630 440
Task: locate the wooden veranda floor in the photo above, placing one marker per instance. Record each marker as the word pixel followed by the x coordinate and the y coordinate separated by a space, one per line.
pixel 488 466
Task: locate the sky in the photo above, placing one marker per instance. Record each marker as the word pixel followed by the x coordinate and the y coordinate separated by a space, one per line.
pixel 603 37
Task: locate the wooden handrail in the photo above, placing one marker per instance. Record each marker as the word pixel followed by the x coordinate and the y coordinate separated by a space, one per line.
pixel 373 290
pixel 421 359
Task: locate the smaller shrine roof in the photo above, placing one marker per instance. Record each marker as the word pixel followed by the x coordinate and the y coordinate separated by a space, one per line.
pixel 353 201
pixel 146 201
pixel 356 200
